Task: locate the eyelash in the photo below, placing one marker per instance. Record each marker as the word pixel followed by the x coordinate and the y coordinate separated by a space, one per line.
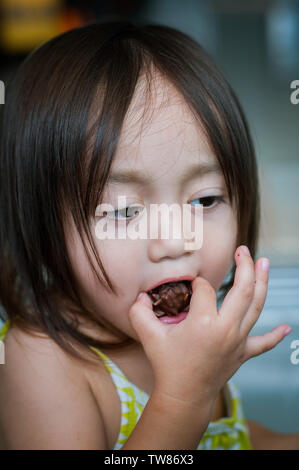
pixel 220 199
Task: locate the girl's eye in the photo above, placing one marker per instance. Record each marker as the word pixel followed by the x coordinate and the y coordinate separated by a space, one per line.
pixel 127 213
pixel 207 201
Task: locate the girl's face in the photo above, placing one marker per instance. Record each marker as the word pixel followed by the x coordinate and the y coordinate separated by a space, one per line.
pixel 163 150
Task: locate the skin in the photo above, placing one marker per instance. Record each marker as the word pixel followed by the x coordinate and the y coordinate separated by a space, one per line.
pixel 164 148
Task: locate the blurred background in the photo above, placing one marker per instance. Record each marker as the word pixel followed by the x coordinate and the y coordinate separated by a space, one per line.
pixel 256 44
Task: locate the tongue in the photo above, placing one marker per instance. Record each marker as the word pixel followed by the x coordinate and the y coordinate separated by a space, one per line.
pixel 171 298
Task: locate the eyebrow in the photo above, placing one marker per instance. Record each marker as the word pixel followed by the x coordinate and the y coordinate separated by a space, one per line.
pixel 134 177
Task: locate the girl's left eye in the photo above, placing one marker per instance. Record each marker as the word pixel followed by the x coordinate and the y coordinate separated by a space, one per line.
pixel 208 200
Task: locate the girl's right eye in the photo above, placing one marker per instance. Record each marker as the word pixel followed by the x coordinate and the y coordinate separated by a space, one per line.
pixel 128 212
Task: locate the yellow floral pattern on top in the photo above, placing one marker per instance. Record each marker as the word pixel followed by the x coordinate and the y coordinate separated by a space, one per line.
pixel 229 433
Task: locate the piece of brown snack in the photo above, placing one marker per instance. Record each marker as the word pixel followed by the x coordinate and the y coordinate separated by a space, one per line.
pixel 170 298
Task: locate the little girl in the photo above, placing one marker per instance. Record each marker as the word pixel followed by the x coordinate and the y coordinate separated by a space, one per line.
pixel 115 109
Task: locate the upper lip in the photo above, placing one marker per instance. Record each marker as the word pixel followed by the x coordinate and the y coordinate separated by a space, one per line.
pixel 172 279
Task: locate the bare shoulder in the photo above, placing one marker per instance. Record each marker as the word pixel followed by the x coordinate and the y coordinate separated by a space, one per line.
pixel 37 353
pixel 46 401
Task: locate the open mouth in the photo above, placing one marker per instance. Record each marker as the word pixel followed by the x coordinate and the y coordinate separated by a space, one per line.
pixel 171 298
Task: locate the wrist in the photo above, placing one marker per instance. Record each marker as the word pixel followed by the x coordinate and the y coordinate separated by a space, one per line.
pixel 202 406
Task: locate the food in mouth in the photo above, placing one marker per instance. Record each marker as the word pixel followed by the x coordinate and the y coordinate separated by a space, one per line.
pixel 171 298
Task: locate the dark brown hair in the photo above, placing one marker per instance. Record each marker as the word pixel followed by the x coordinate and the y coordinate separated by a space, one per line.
pixel 45 134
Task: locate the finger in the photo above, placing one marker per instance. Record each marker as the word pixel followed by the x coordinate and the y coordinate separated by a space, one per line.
pixel 203 303
pixel 256 345
pixel 259 297
pixel 239 297
pixel 143 318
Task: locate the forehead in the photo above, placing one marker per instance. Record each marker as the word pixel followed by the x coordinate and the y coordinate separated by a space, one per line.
pixel 159 128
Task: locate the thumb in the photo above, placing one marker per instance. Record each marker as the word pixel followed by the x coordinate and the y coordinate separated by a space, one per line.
pixel 143 318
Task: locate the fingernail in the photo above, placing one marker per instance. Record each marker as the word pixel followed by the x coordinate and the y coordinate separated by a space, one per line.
pixel 287 331
pixel 265 264
pixel 245 250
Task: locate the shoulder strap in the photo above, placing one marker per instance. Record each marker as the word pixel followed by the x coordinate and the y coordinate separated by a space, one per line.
pixel 4 329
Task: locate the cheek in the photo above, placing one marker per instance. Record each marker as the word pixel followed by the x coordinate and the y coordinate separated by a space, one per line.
pixel 119 263
pixel 123 261
pixel 219 246
pixel 103 302
pixel 220 230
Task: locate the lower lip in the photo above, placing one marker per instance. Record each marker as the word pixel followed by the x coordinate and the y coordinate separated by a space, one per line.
pixel 174 319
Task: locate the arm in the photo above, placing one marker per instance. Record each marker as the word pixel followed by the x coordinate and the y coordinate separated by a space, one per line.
pixel 263 438
pixel 167 423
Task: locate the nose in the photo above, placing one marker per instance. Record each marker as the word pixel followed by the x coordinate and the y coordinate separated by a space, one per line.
pixel 167 239
pixel 160 248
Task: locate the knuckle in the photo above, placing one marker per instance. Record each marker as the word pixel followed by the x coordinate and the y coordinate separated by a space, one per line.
pixel 247 291
pixel 263 281
pixel 204 284
pixel 266 344
pixel 262 285
pixel 258 306
pixel 232 334
pixel 229 333
pixel 198 281
pixel 133 311
pixel 265 347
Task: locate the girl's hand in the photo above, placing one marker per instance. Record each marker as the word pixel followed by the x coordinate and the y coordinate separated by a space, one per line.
pixel 192 360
